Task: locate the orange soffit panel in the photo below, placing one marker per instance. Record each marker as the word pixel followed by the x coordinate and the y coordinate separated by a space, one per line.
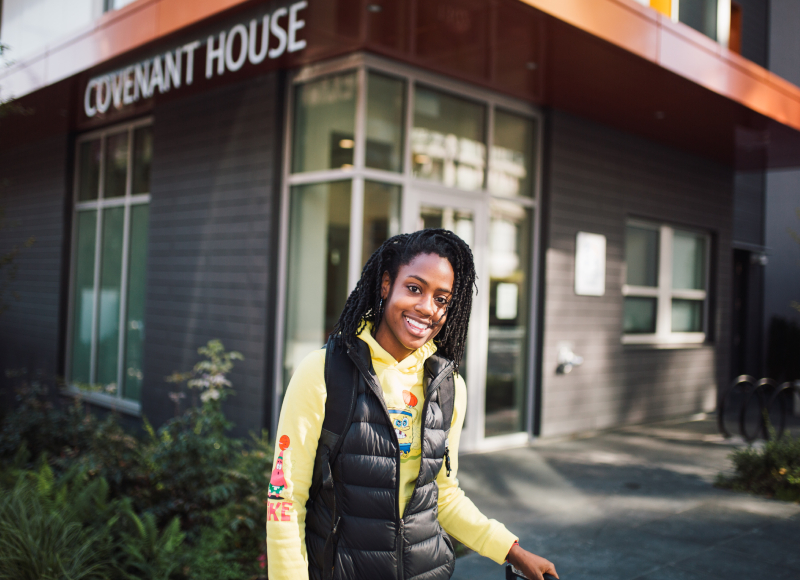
pixel 663 6
pixel 678 48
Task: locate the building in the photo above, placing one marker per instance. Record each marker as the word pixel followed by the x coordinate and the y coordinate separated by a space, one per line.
pixel 222 169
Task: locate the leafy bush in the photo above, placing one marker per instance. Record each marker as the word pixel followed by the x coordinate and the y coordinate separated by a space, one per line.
pixel 51 529
pixel 188 500
pixel 773 471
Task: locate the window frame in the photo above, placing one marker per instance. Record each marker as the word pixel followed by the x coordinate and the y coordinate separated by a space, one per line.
pixel 127 201
pixel 364 64
pixel 663 291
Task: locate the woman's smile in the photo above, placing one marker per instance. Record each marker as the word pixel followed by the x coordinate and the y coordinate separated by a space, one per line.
pixel 414 304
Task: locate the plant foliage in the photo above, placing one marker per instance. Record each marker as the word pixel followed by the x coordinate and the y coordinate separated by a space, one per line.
pixel 185 501
pixel 772 471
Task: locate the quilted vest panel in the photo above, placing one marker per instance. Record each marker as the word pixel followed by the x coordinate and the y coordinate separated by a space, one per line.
pixel 372 540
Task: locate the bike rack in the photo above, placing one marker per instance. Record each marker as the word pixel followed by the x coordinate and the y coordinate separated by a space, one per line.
pixel 766 397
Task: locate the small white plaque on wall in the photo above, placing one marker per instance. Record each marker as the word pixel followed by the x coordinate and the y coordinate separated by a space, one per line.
pixel 590 264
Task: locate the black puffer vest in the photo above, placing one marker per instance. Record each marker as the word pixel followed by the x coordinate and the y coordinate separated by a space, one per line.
pixel 353 528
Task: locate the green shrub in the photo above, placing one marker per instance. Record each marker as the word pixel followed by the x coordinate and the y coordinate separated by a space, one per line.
pixel 772 471
pixel 187 501
pixel 56 529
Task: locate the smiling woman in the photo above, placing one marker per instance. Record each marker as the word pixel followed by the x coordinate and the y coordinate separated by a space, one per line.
pixel 359 476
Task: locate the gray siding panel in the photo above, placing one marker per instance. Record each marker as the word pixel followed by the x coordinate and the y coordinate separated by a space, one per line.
pixel 210 250
pixel 33 181
pixel 755 26
pixel 599 177
pixel 748 213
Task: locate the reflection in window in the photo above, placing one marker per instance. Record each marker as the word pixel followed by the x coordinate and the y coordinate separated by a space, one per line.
pixel 688 261
pixel 641 256
pixel 385 110
pixel 381 216
pixel 107 308
pixel 324 128
pixel 116 165
pixel 700 15
pixel 89 170
pixel 460 222
pixel 664 264
pixel 509 314
pixel 512 155
pixel 448 140
pixel 318 266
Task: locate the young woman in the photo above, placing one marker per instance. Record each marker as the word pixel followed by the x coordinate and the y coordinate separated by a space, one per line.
pixel 377 509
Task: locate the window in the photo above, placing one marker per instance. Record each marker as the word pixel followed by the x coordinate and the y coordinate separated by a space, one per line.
pixel 109 5
pixel 111 210
pixel 335 212
pixel 378 149
pixel 666 284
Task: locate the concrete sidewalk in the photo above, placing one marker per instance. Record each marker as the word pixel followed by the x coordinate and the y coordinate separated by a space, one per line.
pixel 633 503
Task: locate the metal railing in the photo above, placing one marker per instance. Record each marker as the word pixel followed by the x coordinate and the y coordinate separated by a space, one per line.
pixel 747 404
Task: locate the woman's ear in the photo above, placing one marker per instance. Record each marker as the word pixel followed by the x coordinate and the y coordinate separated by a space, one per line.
pixel 386 285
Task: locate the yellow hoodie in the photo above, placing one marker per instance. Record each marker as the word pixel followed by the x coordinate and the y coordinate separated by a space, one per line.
pixel 299 429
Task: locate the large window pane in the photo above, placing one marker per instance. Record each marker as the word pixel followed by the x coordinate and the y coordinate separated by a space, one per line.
pixel 318 266
pixel 134 329
pixel 116 165
pixel 381 216
pixel 700 15
pixel 511 159
pixel 460 222
pixel 83 297
pixel 142 159
pixel 509 287
pixel 88 170
pixel 110 284
pixel 688 261
pixel 385 108
pixel 448 140
pixel 641 256
pixel 687 316
pixel 640 315
pixel 324 127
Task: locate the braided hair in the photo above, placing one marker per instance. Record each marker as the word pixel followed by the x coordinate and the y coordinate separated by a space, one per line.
pixel 364 303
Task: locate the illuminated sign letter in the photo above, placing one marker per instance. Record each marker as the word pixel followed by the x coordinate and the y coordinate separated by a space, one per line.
pixel 88 108
pixel 189 49
pixel 240 31
pixel 295 25
pixel 257 57
pixel 104 87
pixel 278 33
pixel 215 53
pixel 172 70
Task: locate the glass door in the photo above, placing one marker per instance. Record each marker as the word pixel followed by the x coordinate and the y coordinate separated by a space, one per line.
pixel 459 213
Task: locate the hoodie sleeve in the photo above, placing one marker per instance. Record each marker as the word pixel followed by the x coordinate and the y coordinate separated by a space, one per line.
pixel 299 428
pixel 458 515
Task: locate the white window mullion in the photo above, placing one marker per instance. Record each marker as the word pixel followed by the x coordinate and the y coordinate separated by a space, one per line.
pixel 356 231
pixel 360 145
pixel 664 305
pixel 98 251
pixel 123 289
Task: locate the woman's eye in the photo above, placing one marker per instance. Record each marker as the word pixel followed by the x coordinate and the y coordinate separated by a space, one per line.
pixel 413 289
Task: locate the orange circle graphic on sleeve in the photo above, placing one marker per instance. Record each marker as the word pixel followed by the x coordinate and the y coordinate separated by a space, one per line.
pixel 284 442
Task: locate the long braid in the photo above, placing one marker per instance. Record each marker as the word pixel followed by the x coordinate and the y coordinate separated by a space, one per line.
pixel 363 304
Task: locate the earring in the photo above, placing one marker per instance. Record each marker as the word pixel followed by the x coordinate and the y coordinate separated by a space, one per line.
pixel 380 306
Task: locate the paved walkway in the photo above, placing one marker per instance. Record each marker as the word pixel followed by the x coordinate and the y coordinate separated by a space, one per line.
pixel 634 503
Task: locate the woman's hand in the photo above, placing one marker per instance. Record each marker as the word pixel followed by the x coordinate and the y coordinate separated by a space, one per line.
pixel 533 566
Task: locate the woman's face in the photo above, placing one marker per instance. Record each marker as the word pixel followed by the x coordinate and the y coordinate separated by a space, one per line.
pixel 415 306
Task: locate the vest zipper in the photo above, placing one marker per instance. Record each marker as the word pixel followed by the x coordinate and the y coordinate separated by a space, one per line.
pixel 433 386
pixel 370 381
pixel 400 542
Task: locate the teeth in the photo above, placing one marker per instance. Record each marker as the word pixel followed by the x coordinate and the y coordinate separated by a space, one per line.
pixel 416 324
